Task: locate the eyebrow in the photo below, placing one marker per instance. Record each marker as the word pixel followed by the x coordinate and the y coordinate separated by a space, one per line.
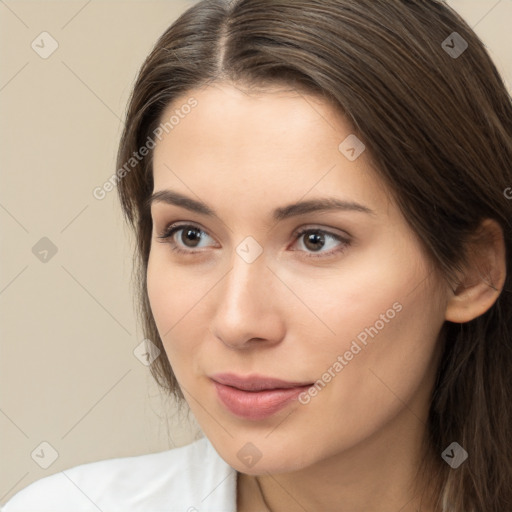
pixel 300 208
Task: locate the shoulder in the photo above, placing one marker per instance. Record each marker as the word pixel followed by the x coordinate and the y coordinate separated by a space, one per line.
pixel 187 479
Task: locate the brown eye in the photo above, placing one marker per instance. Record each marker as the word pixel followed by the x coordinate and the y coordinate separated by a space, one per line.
pixel 314 240
pixel 191 235
pixel 190 238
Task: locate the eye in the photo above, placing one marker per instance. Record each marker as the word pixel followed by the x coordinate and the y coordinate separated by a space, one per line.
pixel 191 237
pixel 317 239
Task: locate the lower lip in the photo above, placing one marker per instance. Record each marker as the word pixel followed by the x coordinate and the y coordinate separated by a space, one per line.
pixel 256 405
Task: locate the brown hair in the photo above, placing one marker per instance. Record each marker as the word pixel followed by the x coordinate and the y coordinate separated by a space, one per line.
pixel 439 127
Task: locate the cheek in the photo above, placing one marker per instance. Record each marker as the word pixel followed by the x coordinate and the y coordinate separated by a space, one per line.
pixel 175 296
pixel 345 300
pixel 380 309
pixel 386 333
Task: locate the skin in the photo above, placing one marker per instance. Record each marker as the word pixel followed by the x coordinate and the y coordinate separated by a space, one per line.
pixel 356 445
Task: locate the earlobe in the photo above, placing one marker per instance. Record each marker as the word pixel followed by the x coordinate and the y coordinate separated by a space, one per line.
pixel 483 278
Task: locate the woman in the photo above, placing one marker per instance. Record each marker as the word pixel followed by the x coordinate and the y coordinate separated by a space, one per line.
pixel 321 195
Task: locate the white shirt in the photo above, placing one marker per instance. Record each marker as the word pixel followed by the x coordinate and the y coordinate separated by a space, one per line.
pixel 193 478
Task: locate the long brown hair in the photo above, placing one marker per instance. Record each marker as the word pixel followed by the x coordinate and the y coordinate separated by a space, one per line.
pixel 436 118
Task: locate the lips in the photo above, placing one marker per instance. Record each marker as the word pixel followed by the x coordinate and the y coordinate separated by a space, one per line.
pixel 256 397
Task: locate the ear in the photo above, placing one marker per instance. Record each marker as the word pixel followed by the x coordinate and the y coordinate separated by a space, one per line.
pixel 483 278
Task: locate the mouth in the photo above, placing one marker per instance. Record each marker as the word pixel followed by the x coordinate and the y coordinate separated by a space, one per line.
pixel 256 397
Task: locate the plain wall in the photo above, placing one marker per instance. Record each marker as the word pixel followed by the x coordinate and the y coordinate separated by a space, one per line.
pixel 68 374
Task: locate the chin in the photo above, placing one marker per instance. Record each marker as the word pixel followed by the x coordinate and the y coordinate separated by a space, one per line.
pixel 267 456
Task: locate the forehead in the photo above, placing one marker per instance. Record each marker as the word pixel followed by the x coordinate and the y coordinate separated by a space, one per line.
pixel 228 118
pixel 264 143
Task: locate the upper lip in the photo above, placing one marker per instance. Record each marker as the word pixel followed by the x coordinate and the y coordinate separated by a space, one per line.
pixel 255 382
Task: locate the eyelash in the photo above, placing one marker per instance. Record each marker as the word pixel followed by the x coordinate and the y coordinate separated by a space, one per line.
pixel 167 237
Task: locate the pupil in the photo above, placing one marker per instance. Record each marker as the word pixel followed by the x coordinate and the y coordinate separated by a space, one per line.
pixel 314 238
pixel 192 233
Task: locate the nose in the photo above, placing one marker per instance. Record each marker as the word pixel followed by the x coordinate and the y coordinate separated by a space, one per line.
pixel 249 309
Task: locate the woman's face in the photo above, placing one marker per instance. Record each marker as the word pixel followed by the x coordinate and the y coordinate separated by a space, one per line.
pixel 341 299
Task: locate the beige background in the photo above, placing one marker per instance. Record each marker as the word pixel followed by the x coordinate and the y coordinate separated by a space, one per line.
pixel 68 374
